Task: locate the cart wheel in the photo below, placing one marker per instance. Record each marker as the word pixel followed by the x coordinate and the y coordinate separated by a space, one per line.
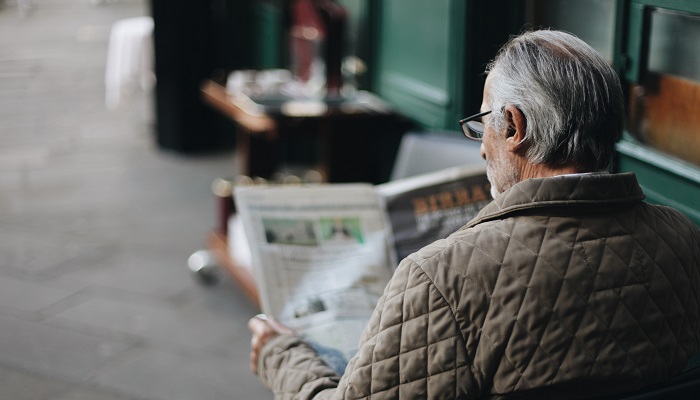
pixel 204 268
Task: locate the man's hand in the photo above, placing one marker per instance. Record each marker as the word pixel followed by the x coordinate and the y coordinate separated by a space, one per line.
pixel 263 329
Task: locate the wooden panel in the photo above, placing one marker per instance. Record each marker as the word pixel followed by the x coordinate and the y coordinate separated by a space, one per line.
pixel 216 96
pixel 417 58
pixel 270 39
pixel 664 180
pixel 414 43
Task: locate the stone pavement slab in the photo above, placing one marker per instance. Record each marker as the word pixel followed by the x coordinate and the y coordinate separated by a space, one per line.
pixel 96 224
pixel 68 354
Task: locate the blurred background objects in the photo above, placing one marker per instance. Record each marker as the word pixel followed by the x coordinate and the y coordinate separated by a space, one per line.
pixel 96 226
pixel 117 115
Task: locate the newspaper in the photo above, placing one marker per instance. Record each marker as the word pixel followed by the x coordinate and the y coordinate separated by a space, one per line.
pixel 322 254
pixel 428 207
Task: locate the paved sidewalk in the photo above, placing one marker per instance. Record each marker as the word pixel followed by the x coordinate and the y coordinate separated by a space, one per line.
pixel 96 225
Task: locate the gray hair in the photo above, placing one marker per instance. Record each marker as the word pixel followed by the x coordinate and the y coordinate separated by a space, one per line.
pixel 570 96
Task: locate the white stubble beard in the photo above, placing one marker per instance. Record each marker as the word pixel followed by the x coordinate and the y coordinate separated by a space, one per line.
pixel 507 176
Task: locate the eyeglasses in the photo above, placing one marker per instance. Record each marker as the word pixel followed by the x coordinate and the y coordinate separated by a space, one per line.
pixel 472 127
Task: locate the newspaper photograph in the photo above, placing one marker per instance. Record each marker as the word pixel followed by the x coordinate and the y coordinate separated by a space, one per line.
pixel 320 256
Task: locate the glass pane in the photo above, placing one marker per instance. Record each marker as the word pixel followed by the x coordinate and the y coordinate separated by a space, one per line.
pixel 591 20
pixel 664 107
pixel 674 46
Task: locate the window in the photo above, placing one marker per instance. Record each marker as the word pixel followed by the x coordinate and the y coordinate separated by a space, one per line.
pixel 663 106
pixel 593 21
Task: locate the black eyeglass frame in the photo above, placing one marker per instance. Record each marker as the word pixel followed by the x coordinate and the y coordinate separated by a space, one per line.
pixel 472 129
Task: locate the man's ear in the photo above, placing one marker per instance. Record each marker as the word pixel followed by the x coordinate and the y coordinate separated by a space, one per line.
pixel 517 124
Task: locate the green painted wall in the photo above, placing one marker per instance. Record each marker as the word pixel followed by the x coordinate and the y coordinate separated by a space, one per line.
pixel 430 54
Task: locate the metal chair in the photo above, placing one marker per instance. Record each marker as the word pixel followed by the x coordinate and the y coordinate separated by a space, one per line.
pixel 422 152
pixel 681 387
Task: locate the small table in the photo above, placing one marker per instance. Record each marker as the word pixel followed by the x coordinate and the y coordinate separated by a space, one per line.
pixel 354 140
pixel 348 139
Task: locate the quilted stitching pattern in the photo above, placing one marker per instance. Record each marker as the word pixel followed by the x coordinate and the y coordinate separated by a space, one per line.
pixel 532 296
pixel 415 350
pixel 295 374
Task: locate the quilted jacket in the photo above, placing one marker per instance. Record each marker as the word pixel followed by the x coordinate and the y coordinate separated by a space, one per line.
pixel 567 287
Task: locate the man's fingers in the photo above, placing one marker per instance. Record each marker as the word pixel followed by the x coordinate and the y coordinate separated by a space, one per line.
pixel 261 322
pixel 255 324
pixel 262 331
pixel 279 328
pixel 254 362
pixel 263 328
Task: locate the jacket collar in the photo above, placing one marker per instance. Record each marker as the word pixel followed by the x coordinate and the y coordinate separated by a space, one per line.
pixel 565 191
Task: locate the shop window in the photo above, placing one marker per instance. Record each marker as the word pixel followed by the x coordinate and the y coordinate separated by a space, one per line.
pixel 664 105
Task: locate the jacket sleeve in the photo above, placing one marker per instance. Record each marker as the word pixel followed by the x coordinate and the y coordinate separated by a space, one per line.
pixel 293 370
pixel 411 348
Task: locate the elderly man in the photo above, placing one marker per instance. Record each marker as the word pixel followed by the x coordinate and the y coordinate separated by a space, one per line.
pixel 567 285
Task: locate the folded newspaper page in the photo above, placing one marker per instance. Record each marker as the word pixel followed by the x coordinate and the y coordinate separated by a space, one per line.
pixel 320 256
pixel 428 207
